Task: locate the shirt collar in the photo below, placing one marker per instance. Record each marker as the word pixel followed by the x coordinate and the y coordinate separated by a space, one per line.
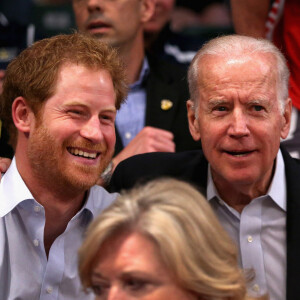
pixel 143 74
pixel 13 190
pixel 277 189
pixel 98 199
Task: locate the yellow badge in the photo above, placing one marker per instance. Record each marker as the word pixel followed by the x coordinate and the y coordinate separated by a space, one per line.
pixel 166 104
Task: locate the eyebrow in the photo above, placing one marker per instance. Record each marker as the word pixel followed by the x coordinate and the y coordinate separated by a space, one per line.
pixel 74 103
pixel 82 104
pixel 216 102
pixel 258 101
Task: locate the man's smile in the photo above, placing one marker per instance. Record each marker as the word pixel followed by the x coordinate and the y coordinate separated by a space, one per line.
pixel 241 153
pixel 83 153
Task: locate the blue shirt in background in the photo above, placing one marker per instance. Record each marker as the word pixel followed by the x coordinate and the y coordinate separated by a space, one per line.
pixel 130 118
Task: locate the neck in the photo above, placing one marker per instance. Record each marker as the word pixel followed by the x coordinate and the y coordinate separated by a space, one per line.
pixel 236 198
pixel 58 214
pixel 132 57
pixel 240 195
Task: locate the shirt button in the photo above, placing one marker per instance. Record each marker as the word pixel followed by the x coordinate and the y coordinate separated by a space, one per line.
pixel 37 208
pixel 49 289
pixel 255 288
pixel 250 239
pixel 36 242
pixel 128 135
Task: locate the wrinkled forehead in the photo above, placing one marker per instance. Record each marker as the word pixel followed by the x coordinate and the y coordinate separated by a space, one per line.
pixel 249 67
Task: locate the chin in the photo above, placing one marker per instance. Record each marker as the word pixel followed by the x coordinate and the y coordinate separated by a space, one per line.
pixel 235 176
pixel 82 178
pixel 83 182
pixel 242 179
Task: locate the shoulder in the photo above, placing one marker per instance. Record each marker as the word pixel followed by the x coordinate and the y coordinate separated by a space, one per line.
pixel 99 198
pixel 291 164
pixel 160 160
pixel 292 175
pixel 144 167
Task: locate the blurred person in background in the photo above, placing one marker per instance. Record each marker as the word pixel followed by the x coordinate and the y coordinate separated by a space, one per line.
pixel 160 241
pixel 15 36
pixel 163 42
pixel 190 13
pixel 180 46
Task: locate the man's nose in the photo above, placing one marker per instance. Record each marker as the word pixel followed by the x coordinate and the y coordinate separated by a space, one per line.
pixel 92 131
pixel 238 124
pixel 94 5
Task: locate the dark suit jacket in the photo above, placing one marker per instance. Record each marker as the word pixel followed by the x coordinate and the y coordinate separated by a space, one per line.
pixel 5 149
pixel 192 167
pixel 167 81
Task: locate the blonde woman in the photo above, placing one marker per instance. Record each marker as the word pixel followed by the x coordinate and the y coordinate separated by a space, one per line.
pixel 160 241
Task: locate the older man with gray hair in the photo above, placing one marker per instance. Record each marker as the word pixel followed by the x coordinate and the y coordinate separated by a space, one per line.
pixel 240 110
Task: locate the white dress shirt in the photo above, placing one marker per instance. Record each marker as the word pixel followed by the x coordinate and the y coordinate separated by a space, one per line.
pixel 25 271
pixel 259 233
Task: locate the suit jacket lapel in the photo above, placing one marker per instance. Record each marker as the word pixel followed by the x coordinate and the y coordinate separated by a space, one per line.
pixel 292 171
pixel 158 90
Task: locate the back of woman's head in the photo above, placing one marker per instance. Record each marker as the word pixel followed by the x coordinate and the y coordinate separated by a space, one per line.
pixel 178 219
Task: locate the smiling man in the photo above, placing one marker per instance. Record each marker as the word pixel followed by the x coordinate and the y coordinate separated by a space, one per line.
pixel 60 98
pixel 240 109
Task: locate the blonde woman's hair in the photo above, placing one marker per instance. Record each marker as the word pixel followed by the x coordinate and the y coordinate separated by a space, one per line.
pixel 178 219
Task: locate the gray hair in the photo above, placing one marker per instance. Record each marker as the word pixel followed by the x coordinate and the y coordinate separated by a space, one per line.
pixel 236 45
pixel 180 222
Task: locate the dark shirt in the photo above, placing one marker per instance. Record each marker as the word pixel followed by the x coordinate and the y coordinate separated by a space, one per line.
pixel 195 5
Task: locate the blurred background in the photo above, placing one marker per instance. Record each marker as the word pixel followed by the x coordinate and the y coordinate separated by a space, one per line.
pixel 190 23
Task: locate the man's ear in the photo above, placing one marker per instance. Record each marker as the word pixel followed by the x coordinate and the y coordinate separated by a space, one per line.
pixel 147 10
pixel 22 115
pixel 286 118
pixel 193 120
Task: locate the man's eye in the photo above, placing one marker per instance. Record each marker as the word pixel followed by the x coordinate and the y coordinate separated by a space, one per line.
pixel 258 108
pixel 75 112
pixel 107 118
pixel 220 108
